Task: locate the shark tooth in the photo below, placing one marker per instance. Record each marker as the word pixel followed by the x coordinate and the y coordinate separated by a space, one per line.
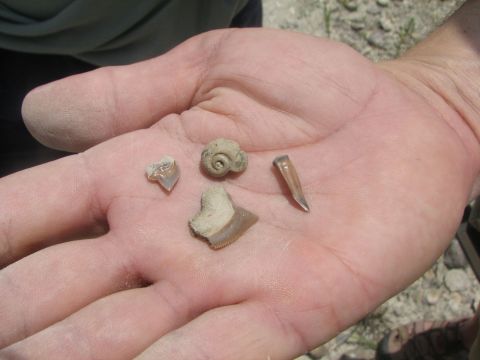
pixel 166 172
pixel 219 221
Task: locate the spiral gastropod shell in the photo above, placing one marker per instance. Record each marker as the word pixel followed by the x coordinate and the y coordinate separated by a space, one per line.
pixel 223 155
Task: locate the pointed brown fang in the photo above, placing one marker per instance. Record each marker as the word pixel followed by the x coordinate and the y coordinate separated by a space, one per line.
pixel 289 174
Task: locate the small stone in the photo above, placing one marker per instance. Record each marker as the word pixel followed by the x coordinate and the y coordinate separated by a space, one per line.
pixel 418 296
pixel 373 10
pixel 359 354
pixel 455 305
pixel 303 357
pixel 342 338
pixel 383 2
pixel 432 296
pixel 429 275
pixel 318 352
pixel 385 24
pixel 476 302
pixel 440 271
pixel 350 5
pixel 398 312
pixel 357 24
pixel 376 39
pixel 366 51
pixel 454 257
pixel 456 280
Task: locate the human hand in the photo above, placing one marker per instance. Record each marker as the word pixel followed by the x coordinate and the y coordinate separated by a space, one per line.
pixel 385 173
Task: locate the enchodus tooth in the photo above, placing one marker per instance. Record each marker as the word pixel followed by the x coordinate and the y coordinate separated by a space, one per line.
pixel 289 174
pixel 219 221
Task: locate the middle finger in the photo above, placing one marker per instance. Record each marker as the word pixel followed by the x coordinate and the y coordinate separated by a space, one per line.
pixel 119 326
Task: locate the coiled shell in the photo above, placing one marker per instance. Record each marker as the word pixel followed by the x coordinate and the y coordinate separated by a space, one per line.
pixel 221 156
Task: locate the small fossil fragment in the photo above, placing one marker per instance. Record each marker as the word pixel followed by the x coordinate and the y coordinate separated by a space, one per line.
pixel 221 156
pixel 219 220
pixel 166 172
pixel 286 168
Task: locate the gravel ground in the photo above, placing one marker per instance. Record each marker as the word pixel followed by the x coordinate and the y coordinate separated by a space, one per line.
pixel 379 29
pixel 383 29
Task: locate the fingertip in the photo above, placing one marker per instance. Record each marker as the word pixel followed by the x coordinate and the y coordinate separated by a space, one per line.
pixel 61 115
pixel 33 112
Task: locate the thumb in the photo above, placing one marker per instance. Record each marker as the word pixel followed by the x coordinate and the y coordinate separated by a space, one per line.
pixel 82 110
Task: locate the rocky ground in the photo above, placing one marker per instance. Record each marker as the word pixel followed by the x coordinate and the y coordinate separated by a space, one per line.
pixel 383 29
pixel 379 29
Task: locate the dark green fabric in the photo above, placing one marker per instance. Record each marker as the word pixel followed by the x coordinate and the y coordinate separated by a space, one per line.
pixel 109 32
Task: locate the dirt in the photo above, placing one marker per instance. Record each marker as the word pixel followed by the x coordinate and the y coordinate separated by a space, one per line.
pixel 379 29
pixel 383 29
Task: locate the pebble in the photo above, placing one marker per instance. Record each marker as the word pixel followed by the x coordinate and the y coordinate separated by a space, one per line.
pixel 366 51
pixel 304 357
pixel 350 5
pixel 385 24
pixel 373 10
pixel 429 276
pixel 359 354
pixel 454 257
pixel 456 280
pixel 383 2
pixel 377 39
pixel 357 25
pixel 440 270
pixel 455 305
pixel 343 337
pixel 432 296
pixel 318 352
pixel 398 311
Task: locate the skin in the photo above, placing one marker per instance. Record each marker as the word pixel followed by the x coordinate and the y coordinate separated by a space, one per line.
pixel 387 165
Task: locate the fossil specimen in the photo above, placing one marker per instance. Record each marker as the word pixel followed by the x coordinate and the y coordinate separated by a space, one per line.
pixel 219 221
pixel 221 156
pixel 286 168
pixel 166 172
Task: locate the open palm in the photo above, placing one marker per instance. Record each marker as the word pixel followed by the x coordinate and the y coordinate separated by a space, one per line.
pixel 385 173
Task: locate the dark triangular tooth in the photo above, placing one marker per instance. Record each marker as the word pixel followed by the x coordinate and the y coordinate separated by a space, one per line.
pixel 241 221
pixel 219 221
